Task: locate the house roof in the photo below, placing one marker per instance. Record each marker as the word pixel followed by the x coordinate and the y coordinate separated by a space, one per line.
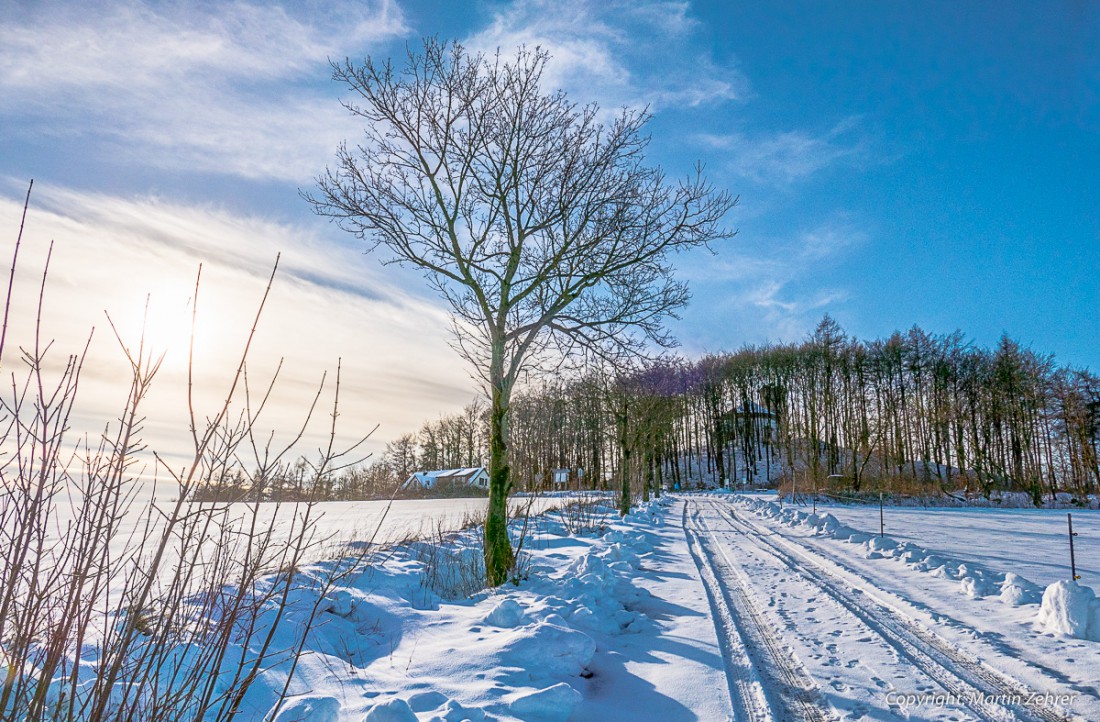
pixel 453 473
pixel 429 478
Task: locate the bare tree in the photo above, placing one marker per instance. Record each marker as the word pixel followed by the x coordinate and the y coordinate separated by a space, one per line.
pixel 542 227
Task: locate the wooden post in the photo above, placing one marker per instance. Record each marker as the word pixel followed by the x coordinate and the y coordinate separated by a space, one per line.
pixel 881 518
pixel 1072 558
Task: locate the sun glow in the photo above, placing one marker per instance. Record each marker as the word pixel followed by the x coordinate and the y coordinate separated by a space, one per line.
pixel 159 328
pixel 165 325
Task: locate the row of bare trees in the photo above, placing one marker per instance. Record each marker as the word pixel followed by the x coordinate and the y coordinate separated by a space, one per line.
pixel 913 412
pixel 452 441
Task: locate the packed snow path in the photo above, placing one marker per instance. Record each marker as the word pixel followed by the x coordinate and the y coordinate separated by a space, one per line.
pixel 801 635
pixel 762 677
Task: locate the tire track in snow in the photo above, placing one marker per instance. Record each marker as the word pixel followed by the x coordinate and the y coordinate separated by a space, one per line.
pixel 766 683
pixel 989 693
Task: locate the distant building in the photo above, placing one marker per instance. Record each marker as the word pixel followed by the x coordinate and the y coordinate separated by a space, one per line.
pixel 474 476
pixel 750 413
pixel 754 410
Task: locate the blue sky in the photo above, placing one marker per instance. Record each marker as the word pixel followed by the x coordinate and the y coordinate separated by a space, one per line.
pixel 932 163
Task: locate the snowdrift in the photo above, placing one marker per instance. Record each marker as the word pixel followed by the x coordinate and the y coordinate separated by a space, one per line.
pixel 1070 609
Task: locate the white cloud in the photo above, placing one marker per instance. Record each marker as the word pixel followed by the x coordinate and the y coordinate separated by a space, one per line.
pixel 618 53
pixel 223 87
pixel 786 157
pixel 328 302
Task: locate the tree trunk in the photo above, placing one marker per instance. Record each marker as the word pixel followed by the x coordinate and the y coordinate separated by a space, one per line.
pixel 624 470
pixel 624 494
pixel 499 558
pixel 648 475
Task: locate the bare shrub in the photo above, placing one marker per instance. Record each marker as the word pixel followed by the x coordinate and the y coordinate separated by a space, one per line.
pixel 111 609
pixel 452 565
pixel 586 513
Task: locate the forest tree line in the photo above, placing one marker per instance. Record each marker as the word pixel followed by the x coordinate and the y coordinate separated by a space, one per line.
pixel 912 413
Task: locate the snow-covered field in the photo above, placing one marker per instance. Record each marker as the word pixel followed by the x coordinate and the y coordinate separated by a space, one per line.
pixel 335 523
pixel 1033 543
pixel 387 522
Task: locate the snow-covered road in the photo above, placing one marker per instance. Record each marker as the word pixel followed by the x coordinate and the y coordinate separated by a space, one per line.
pixel 764 682
pixel 806 634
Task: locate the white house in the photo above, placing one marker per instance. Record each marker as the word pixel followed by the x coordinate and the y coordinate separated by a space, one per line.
pixel 476 477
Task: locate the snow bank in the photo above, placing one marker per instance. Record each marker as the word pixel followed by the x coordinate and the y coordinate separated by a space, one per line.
pixel 508 614
pixel 1070 609
pixel 312 708
pixel 553 704
pixel 519 652
pixel 394 710
pixel 975 581
pixel 550 648
pixel 597 588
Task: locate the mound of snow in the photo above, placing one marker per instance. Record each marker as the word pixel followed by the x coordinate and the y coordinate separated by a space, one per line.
pixel 881 544
pixel 975 586
pixel 589 564
pixel 1070 609
pixel 1015 590
pixel 619 552
pixel 425 701
pixel 550 648
pixel 553 704
pixel 338 602
pixel 650 512
pixel 395 710
pixel 507 614
pixel 454 712
pixel 827 524
pixel 312 708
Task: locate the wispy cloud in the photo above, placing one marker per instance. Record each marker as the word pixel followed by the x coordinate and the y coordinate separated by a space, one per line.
pixel 620 53
pixel 771 290
pixel 786 157
pixel 328 302
pixel 219 87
